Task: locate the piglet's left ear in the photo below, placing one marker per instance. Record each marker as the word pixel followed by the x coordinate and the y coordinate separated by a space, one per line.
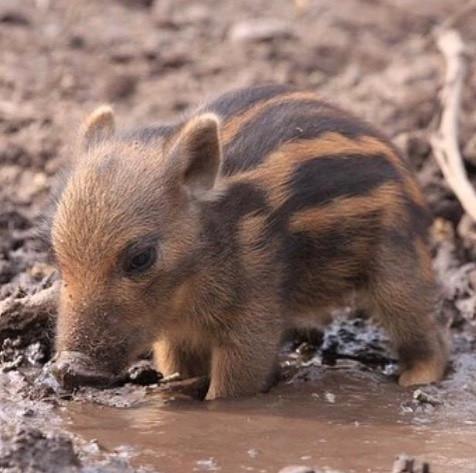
pixel 98 126
pixel 198 150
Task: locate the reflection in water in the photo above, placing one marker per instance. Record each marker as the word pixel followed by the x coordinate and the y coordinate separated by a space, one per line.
pixel 348 421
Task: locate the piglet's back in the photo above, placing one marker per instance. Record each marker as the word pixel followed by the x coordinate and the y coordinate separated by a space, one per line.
pixel 327 185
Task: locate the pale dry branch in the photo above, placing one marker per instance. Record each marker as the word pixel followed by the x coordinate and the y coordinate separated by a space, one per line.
pixel 445 140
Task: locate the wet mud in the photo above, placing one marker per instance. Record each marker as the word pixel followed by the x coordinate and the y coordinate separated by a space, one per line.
pixel 345 420
pixel 337 406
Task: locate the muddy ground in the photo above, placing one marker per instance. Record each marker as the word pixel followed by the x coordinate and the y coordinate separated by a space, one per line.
pixel 153 60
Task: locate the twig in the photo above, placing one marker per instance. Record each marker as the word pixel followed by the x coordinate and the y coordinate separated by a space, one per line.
pixel 195 388
pixel 445 140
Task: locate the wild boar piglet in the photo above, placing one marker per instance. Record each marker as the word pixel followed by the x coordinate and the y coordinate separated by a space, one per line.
pixel 210 239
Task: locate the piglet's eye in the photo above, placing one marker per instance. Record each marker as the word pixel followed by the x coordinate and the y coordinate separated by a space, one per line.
pixel 140 261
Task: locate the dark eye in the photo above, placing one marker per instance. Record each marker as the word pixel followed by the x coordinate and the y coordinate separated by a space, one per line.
pixel 140 261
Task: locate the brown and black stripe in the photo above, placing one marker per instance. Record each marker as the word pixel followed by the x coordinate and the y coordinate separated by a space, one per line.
pixel 328 186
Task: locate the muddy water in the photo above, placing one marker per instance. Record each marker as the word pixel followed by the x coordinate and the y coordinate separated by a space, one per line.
pixel 351 421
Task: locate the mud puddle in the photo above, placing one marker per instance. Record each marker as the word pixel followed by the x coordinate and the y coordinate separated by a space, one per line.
pixel 344 420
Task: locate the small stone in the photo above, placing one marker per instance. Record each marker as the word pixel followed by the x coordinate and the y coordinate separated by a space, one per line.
pixel 259 30
pixel 123 53
pixel 414 145
pixel 143 373
pixel 403 464
pixel 120 87
pixel 77 41
pixel 14 17
pixel 406 464
pixel 253 452
pixel 297 469
pixel 208 464
pixel 330 397
pixel 306 350
pixel 173 60
pixel 35 354
pixel 425 398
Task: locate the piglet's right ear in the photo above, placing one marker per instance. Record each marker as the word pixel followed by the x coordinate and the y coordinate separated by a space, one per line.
pixel 198 154
pixel 98 126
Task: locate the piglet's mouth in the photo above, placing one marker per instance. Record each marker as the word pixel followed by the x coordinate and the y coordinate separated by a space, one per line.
pixel 74 369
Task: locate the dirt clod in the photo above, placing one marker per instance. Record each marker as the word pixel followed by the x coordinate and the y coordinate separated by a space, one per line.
pixel 31 451
pixel 143 373
pixel 406 464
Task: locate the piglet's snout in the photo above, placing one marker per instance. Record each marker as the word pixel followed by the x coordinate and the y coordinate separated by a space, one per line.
pixel 73 369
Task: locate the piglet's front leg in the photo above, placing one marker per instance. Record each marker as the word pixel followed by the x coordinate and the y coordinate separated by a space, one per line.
pixel 246 365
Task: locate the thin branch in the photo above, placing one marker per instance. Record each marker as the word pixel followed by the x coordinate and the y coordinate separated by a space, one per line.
pixel 445 140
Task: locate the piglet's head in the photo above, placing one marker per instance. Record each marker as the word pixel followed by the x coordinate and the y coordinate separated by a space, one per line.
pixel 125 235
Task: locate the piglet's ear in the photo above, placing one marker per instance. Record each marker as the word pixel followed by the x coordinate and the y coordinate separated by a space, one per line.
pixel 198 150
pixel 98 126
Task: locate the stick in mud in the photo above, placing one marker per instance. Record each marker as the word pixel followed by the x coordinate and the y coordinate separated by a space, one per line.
pixel 445 140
